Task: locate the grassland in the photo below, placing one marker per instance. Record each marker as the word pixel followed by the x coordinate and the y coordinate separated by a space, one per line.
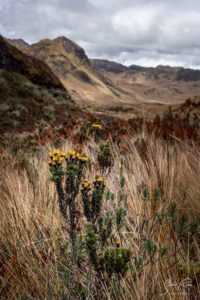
pixel 162 229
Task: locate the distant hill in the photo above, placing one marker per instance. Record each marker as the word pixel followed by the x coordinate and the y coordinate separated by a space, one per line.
pixel 103 65
pixel 152 86
pixel 100 86
pixel 159 72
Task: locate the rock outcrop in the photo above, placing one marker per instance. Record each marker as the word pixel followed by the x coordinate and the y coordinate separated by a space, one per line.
pixel 13 59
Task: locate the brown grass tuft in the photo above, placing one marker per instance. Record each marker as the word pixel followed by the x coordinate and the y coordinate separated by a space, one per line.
pixel 34 260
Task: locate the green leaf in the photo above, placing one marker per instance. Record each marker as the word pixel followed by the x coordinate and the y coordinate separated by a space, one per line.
pixel 120 217
pixel 172 210
pixel 145 194
pixel 122 181
pixel 138 262
pixel 156 194
pixel 150 247
pixel 162 251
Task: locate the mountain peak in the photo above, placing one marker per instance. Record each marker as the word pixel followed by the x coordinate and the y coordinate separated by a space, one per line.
pixel 108 66
pixel 60 47
pixel 19 43
pixel 64 39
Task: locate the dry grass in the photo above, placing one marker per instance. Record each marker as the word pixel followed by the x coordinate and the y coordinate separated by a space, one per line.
pixel 34 248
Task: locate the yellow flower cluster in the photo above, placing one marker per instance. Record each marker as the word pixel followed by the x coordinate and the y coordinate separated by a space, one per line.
pixel 97 126
pixel 74 155
pixel 99 182
pixel 85 186
pixel 56 157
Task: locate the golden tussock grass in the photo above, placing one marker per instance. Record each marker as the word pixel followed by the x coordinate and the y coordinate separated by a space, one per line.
pixel 34 260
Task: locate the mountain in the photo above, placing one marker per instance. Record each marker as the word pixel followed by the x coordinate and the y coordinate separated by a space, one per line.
pixel 103 65
pixel 69 62
pixel 167 73
pixel 106 87
pixel 31 94
pixel 62 64
pixel 159 85
pixel 19 43
pixel 12 59
pixel 159 72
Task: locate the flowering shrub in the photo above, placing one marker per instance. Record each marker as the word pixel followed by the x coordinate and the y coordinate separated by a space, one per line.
pixel 151 212
pixel 101 230
pixel 104 250
pixel 116 260
pixel 73 173
pixel 75 163
pixel 96 130
pixel 92 203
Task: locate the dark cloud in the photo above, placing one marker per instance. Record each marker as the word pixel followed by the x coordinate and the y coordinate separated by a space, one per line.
pixel 129 31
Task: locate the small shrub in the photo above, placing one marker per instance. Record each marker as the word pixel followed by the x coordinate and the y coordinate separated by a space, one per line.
pixel 49 112
pixel 105 158
pixel 106 260
pixel 116 261
pixel 16 113
pixel 4 87
pixel 73 173
pixel 4 107
pixel 96 130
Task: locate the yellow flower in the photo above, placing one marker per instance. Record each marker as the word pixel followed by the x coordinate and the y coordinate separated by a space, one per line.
pixel 72 152
pixel 54 163
pixel 117 242
pixel 99 179
pixel 63 154
pixel 56 151
pixel 55 158
pixel 49 161
pixel 78 155
pixel 61 160
pixel 99 182
pixel 50 154
pixel 86 186
pixel 83 158
pixel 97 126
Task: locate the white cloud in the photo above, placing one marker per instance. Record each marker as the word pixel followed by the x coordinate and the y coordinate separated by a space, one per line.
pixel 130 31
pixel 181 31
pixel 135 20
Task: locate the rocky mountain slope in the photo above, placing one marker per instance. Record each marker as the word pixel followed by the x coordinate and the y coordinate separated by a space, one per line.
pixel 12 59
pixel 71 65
pixel 163 84
pixel 31 94
pixel 25 105
pixel 157 73
pixel 105 87
pixel 41 84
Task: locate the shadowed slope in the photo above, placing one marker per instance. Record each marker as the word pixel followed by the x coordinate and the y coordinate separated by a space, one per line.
pixel 12 59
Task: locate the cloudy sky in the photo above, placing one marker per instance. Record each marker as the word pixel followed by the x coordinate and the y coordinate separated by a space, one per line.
pixel 143 32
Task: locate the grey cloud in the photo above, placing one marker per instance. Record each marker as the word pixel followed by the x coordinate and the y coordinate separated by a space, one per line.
pixel 129 31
